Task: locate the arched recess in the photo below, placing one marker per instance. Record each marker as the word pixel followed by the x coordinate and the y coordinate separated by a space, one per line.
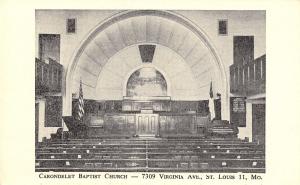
pixel 169 84
pixel 146 82
pixel 181 79
pixel 168 15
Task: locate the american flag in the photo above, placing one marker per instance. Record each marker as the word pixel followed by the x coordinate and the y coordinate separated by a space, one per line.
pixel 211 93
pixel 211 103
pixel 80 112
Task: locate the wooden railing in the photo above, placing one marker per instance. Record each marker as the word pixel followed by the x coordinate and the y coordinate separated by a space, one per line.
pixel 48 77
pixel 249 78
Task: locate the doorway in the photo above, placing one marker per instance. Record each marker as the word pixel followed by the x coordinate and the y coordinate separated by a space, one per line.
pixel 258 122
pixel 36 122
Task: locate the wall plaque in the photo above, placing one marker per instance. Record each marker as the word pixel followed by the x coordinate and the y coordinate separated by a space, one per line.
pixel 238 111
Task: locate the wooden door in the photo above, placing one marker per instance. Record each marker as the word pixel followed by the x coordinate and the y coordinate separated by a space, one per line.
pixel 147 124
pixel 258 122
pixel 36 122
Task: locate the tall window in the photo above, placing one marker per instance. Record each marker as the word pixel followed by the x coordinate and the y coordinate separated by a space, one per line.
pixel 71 25
pixel 222 27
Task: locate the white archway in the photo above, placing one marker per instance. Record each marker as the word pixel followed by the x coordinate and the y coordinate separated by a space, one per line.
pixel 135 13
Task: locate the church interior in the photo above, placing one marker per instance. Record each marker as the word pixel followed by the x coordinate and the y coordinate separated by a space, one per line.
pixel 150 90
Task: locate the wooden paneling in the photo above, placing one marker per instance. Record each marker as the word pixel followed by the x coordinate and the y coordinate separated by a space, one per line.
pixel 41 77
pixel 258 120
pixel 106 117
pixel 177 124
pixel 55 76
pixel 158 105
pixel 203 109
pixel 218 111
pixel 249 78
pixel 92 107
pixel 48 77
pixel 36 122
pixel 184 106
pixel 53 111
pixel 147 124
pixel 112 124
pixel 141 124
pixel 117 106
pixel 238 111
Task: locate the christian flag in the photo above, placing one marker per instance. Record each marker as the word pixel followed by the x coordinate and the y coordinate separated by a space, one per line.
pixel 80 110
pixel 211 103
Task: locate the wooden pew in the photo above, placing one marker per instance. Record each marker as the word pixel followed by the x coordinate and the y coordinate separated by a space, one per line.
pixel 171 155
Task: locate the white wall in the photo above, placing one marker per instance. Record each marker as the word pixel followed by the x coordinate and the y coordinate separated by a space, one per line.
pixel 239 23
pixel 247 131
pixel 54 22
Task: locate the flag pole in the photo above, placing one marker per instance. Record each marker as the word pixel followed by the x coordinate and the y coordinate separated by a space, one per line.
pixel 80 111
pixel 63 126
pixel 211 102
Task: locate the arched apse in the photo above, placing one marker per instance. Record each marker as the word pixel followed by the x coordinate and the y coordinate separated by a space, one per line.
pixel 129 28
pixel 164 74
pixel 146 82
pixel 181 80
